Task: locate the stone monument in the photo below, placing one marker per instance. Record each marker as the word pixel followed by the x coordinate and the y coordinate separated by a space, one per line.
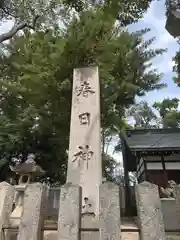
pixel 84 162
pixel 91 202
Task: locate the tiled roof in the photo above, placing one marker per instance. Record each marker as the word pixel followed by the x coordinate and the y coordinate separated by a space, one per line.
pixel 153 139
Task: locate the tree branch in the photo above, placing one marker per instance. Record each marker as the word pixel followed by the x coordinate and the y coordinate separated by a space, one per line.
pixel 34 23
pixel 16 28
pixel 7 12
pixel 12 32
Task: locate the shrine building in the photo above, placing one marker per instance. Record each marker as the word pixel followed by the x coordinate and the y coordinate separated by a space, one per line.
pixel 154 154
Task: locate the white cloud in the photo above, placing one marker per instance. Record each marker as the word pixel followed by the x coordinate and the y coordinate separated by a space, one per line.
pixel 155 19
pixel 154 96
pixel 164 39
pixel 165 66
pixel 6 26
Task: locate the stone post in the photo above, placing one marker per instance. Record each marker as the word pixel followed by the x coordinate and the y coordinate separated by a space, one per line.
pixel 178 202
pixel 33 213
pixel 149 212
pixel 84 161
pixel 18 200
pixel 110 219
pixel 69 212
pixel 6 201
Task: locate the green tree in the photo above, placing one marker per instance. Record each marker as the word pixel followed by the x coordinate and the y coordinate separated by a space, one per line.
pixel 168 110
pixel 36 84
pixel 143 115
pixel 38 14
pixel 109 165
pixel 176 68
pixel 26 14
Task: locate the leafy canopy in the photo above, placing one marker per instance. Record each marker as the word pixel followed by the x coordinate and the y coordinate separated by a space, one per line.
pixel 39 14
pixel 36 83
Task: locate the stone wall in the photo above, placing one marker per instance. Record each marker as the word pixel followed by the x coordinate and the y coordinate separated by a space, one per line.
pixel 157 218
pixel 170 217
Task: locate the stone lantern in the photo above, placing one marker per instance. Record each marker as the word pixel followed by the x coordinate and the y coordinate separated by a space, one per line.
pixel 26 171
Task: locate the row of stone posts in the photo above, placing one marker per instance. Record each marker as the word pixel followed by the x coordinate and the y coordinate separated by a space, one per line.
pixel 70 206
pixel 69 220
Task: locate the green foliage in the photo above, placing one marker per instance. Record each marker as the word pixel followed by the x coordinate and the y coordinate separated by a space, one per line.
pixel 166 105
pixel 162 114
pixel 125 11
pixel 108 166
pixel 41 14
pixel 143 115
pixel 166 115
pixel 176 68
pixel 36 84
pixel 168 110
pixel 27 10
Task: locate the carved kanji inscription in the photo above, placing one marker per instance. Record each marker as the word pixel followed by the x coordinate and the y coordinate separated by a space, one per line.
pixel 84 118
pixel 84 89
pixel 84 154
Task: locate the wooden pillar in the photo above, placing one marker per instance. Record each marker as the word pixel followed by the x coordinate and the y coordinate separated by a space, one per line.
pixel 126 180
pixel 164 170
pixel 145 171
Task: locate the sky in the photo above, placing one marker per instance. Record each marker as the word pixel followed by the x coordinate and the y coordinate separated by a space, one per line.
pixel 154 19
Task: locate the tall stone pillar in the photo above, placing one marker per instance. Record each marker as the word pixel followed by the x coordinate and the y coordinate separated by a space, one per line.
pixel 84 162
